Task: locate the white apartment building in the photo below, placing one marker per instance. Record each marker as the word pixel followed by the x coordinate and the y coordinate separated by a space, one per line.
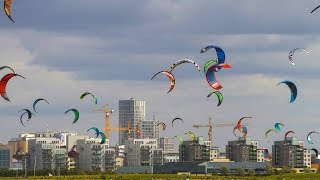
pixel 91 154
pixel 143 152
pixel 46 153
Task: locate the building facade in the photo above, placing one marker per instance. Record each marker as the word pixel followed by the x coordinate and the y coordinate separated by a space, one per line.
pixel 130 112
pixel 194 151
pixel 242 150
pixel 289 152
pixel 4 157
pixel 143 152
pixel 167 144
pixel 91 154
pixel 46 153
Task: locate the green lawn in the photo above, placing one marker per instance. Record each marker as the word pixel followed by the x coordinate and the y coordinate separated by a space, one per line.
pixel 180 177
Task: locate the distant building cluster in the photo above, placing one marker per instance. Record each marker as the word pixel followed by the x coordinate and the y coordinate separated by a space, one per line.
pixel 146 152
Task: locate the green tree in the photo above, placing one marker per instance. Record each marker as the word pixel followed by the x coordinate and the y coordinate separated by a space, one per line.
pixel 269 169
pixel 286 170
pixel 306 170
pixel 224 171
pixel 251 172
pixel 240 171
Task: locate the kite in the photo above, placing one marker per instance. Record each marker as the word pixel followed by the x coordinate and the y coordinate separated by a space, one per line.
pixel 234 131
pixel 18 155
pixel 3 84
pixel 192 136
pixel 163 125
pixel 244 131
pixel 138 132
pixel 170 76
pixel 293 89
pixel 76 115
pixel 219 95
pixel 180 138
pixel 27 112
pixel 277 126
pixel 309 137
pixel 103 137
pixel 6 6
pixel 285 136
pixel 59 136
pixel 265 152
pixel 268 131
pixel 96 130
pixel 36 101
pixel 239 126
pixel 184 61
pixel 211 78
pixel 291 53
pixel 73 153
pixel 220 54
pixel 207 65
pixel 7 67
pixel 315 9
pixel 176 119
pixel 315 151
pixel 87 93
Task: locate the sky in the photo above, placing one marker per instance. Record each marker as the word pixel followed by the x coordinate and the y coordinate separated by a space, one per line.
pixel 112 49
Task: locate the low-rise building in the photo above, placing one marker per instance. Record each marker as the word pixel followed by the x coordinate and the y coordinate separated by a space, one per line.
pixel 143 152
pixel 91 155
pixel 242 150
pixel 194 151
pixel 4 157
pixel 46 153
pixel 290 152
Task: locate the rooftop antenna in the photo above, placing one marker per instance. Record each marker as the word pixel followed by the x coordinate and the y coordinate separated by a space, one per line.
pixel 47 129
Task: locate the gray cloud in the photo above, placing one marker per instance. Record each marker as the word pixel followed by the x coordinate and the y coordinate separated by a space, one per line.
pixel 112 48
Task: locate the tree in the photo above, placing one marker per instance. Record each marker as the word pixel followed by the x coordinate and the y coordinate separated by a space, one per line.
pixel 269 169
pixel 224 171
pixel 286 170
pixel 251 172
pixel 306 170
pixel 240 171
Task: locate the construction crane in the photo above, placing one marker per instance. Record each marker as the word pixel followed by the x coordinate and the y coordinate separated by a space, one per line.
pixel 210 126
pixel 107 127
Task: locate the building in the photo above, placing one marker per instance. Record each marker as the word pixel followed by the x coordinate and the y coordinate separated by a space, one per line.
pixel 290 152
pixel 143 152
pixel 194 151
pixel 214 153
pixel 4 157
pixel 167 144
pixel 46 153
pixel 18 145
pixel 131 112
pixel 149 129
pixel 170 156
pixel 242 150
pixel 307 158
pixel 109 157
pixel 209 167
pixel 91 154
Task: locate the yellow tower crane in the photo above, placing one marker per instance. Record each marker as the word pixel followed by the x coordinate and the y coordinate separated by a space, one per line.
pixel 107 128
pixel 210 126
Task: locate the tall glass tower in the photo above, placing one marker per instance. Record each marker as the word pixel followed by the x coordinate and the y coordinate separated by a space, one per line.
pixel 132 111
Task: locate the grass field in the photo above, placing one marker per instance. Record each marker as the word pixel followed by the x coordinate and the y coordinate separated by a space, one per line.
pixel 178 177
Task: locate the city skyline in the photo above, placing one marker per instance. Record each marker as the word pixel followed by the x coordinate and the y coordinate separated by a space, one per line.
pixel 114 50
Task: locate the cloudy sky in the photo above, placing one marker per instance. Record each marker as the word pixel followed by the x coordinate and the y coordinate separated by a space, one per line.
pixel 112 49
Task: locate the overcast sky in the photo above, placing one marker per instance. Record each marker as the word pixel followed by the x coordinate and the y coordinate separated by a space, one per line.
pixel 112 49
